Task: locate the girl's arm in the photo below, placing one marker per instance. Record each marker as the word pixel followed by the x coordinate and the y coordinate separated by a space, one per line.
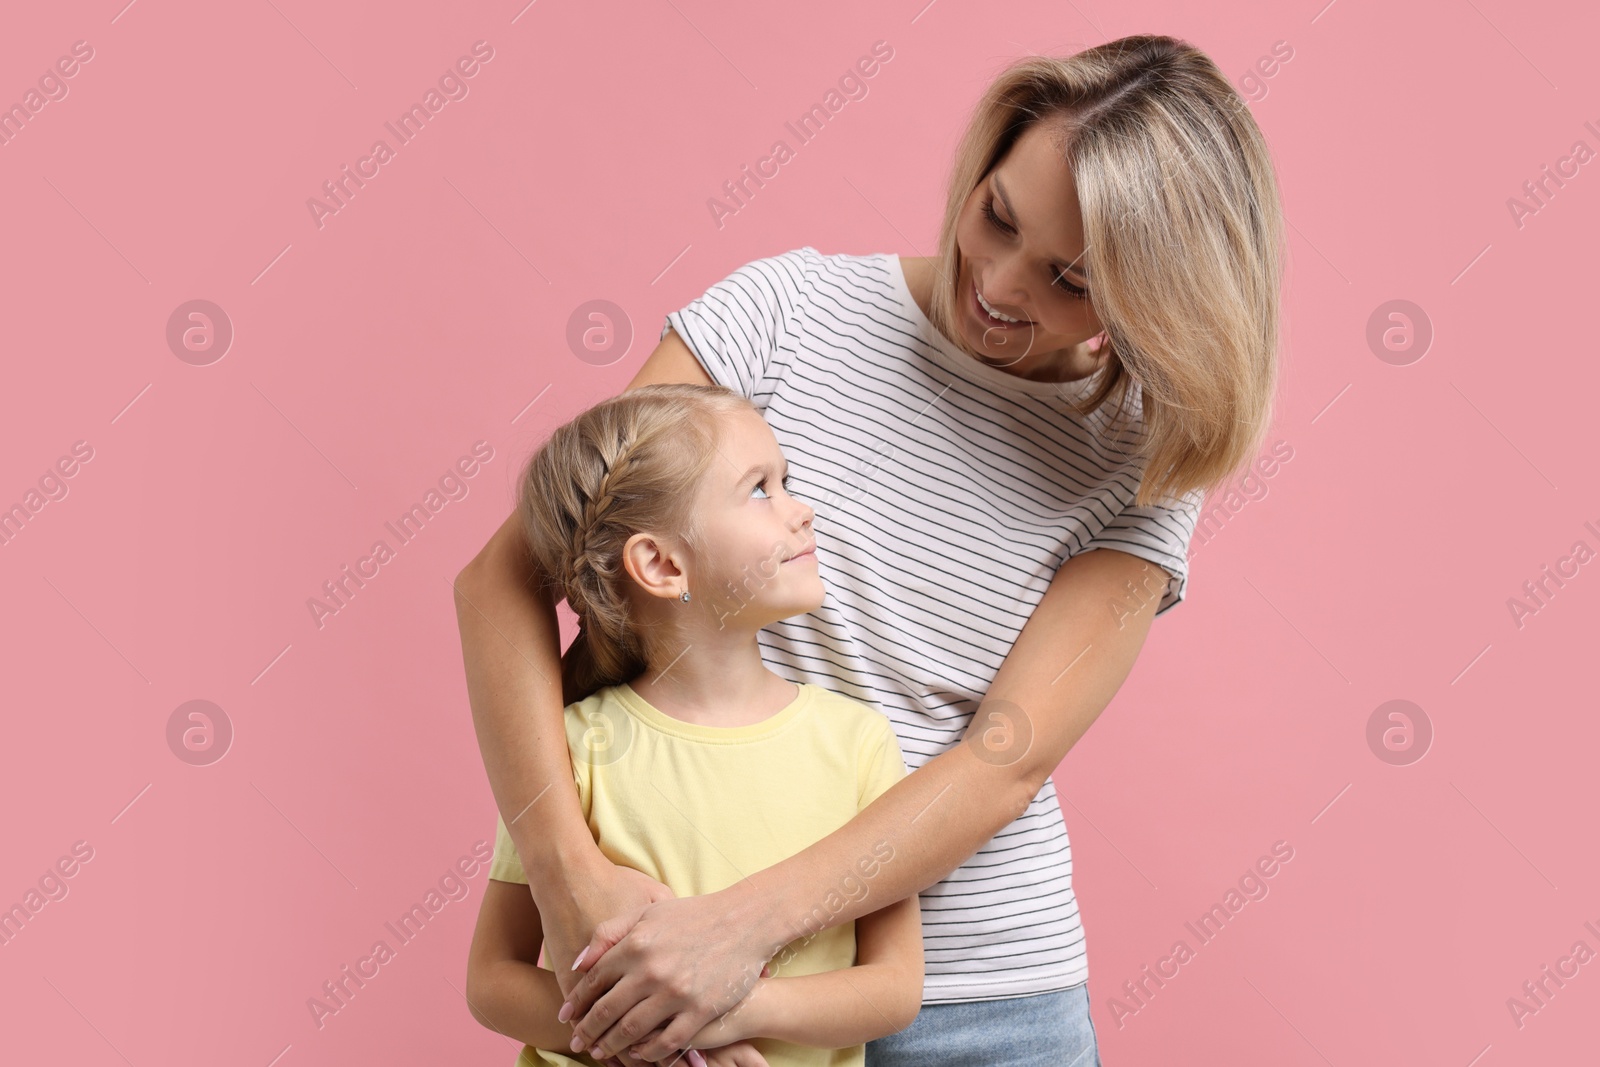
pixel 510 644
pixel 506 991
pixel 1068 662
pixel 881 994
pixel 511 647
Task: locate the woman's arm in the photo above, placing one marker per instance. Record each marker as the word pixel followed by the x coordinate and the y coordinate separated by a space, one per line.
pixel 881 994
pixel 1068 662
pixel 511 647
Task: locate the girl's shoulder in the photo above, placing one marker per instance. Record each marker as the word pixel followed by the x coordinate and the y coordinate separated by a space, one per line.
pixel 843 711
pixel 603 695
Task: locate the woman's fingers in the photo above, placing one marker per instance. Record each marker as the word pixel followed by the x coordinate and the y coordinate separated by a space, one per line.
pixel 662 1045
pixel 599 968
pixel 603 900
pixel 604 938
pixel 683 961
pixel 632 1056
pixel 622 1015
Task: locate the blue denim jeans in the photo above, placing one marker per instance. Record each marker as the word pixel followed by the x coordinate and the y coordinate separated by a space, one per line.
pixel 1044 1030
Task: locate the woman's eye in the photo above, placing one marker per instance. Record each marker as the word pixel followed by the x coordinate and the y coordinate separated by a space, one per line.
pixel 994 219
pixel 1060 280
pixel 1074 291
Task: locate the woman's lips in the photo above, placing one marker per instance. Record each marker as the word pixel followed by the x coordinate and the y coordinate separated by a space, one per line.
pixel 987 319
pixel 808 554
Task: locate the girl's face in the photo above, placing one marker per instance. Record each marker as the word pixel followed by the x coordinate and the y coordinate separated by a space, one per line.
pixel 755 557
pixel 1020 235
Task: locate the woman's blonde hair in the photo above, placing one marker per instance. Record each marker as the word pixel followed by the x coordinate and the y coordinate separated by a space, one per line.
pixel 1182 232
pixel 627 465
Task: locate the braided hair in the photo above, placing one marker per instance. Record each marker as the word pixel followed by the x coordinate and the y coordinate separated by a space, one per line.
pixel 627 465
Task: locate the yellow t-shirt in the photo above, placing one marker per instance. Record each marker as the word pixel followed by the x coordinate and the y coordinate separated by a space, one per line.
pixel 699 807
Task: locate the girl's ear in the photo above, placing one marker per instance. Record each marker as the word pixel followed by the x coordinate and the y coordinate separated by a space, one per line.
pixel 650 563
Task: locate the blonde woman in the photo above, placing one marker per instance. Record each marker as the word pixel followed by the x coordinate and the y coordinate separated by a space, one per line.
pixel 1006 445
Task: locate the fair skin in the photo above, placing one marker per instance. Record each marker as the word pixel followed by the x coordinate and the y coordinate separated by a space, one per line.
pixel 1026 262
pixel 508 993
pixel 755 564
pixel 752 563
pixel 654 972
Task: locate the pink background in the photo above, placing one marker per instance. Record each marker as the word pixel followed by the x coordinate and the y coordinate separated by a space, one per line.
pixel 431 312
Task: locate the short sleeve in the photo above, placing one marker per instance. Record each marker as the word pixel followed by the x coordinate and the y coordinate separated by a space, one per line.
pixel 505 866
pixel 883 764
pixel 1158 535
pixel 735 328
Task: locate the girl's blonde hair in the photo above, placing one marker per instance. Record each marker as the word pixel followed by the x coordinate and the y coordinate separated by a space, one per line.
pixel 1182 234
pixel 627 465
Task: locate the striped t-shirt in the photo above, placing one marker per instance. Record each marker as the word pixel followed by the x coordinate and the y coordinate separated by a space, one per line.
pixel 947 493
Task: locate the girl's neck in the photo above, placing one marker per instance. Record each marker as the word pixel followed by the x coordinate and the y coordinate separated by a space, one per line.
pixel 707 694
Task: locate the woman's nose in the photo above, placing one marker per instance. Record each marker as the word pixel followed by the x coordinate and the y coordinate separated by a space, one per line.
pixel 1006 279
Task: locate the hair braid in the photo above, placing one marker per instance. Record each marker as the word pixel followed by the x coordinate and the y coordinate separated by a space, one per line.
pixel 615 470
pixel 624 466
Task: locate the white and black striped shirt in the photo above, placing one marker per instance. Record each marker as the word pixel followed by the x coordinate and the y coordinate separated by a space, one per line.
pixel 947 494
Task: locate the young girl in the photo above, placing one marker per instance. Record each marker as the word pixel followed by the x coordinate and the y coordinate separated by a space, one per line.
pixel 664 518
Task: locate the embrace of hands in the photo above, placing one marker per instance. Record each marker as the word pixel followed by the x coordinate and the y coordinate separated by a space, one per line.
pixel 622 899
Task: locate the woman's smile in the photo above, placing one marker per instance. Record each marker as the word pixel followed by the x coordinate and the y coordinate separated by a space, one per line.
pixel 991 316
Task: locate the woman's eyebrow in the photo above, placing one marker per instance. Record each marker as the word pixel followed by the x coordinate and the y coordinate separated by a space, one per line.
pixel 1083 272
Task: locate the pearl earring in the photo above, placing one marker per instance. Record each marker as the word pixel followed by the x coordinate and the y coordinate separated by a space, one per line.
pixel 685 596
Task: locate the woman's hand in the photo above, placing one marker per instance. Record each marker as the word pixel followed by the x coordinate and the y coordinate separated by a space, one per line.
pixel 665 972
pixel 604 892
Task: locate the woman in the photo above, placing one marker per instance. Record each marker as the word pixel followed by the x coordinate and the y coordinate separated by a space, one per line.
pixel 968 447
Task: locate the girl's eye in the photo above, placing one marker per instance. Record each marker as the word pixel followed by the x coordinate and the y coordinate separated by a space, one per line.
pixel 1060 280
pixel 761 486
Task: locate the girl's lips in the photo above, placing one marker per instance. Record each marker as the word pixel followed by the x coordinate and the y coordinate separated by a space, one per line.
pixel 808 554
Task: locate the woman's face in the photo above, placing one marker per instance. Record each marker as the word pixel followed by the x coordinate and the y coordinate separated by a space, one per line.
pixel 1020 234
